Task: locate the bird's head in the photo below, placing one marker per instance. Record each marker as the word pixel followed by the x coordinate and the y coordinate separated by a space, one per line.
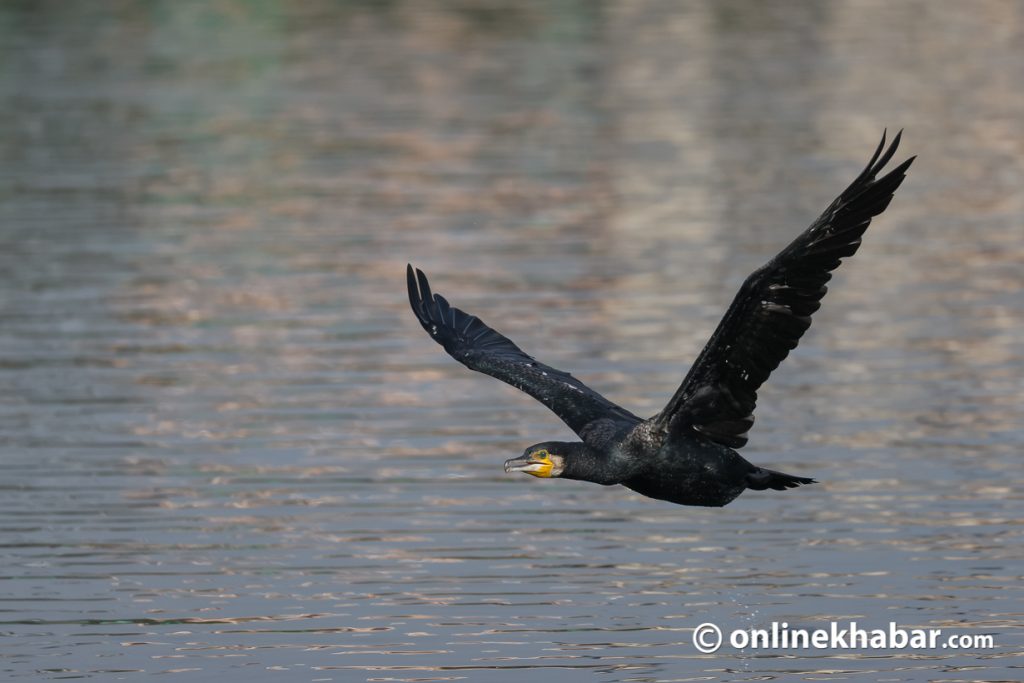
pixel 541 460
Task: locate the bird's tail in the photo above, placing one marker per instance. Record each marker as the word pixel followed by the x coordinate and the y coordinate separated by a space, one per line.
pixel 761 479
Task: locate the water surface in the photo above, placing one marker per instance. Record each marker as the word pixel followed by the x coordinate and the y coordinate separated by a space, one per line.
pixel 229 451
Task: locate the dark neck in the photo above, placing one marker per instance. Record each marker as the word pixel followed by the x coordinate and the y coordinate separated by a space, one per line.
pixel 586 464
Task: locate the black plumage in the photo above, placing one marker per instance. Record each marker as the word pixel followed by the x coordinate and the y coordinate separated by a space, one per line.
pixel 684 454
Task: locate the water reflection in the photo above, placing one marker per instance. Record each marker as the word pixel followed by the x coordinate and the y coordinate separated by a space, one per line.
pixel 229 451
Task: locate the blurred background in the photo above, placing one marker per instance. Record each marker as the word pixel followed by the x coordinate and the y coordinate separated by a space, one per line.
pixel 229 450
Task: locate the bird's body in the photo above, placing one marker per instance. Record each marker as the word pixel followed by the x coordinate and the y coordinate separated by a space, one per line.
pixel 691 470
pixel 685 454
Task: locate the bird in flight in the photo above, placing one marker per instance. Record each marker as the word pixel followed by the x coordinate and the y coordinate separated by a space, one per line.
pixel 685 454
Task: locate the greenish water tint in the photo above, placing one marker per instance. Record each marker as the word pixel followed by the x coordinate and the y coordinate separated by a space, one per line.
pixel 229 451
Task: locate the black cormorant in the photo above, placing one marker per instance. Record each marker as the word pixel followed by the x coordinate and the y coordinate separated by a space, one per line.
pixel 684 454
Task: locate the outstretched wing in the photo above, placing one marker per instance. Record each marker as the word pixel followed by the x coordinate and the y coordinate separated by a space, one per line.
pixel 468 340
pixel 772 311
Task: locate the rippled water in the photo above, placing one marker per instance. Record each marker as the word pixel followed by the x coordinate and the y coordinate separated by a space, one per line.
pixel 229 451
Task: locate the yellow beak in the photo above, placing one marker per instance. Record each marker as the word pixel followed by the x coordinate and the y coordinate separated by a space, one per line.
pixel 537 464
